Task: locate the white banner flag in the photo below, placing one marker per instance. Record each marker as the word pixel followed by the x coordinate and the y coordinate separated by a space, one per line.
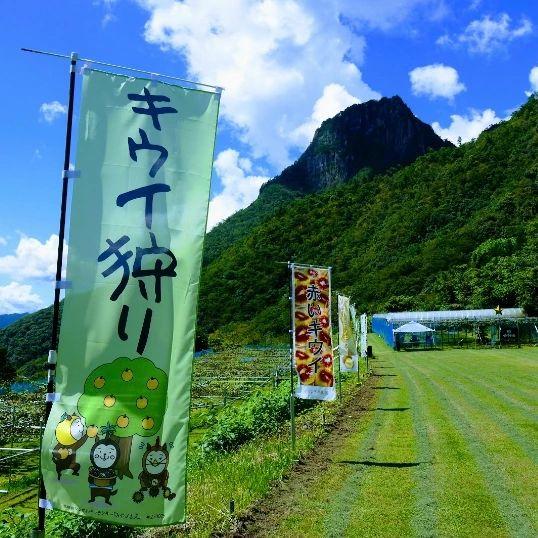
pixel 347 343
pixel 364 335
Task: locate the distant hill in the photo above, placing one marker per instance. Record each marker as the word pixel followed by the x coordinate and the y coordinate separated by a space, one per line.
pixel 8 319
pixel 29 337
pixel 372 136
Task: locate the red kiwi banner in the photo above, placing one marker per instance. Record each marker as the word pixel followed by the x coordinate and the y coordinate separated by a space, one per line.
pixel 115 444
pixel 347 341
pixel 312 332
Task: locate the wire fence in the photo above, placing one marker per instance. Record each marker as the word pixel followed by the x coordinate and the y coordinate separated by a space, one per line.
pixel 20 426
pixel 220 379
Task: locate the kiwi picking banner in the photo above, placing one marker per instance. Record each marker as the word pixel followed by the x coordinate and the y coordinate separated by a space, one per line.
pixel 312 332
pixel 347 342
pixel 114 447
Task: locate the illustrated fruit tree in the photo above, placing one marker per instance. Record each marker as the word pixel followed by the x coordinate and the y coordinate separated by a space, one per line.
pixel 129 394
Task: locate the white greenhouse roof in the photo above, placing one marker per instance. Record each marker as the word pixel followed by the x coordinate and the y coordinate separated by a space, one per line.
pixel 437 315
pixel 413 327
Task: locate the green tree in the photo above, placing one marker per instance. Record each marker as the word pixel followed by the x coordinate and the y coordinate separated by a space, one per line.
pixel 129 394
pixel 7 370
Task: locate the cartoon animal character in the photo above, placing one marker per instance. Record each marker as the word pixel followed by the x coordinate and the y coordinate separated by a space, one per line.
pixel 102 474
pixel 154 475
pixel 71 435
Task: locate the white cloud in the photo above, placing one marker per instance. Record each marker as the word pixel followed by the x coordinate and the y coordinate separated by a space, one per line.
pixel 107 19
pixel 239 189
pixel 533 79
pixel 445 39
pixel 334 99
pixel 467 127
pixel 436 80
pixel 32 259
pixel 274 58
pixel 488 34
pixel 108 6
pixel 387 14
pixel 474 5
pixel 3 241
pixel 15 298
pixel 51 111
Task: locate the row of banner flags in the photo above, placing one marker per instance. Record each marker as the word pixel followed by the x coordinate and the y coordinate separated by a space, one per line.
pixel 312 343
pixel 115 444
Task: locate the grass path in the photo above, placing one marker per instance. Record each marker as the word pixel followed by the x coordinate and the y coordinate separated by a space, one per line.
pixel 446 447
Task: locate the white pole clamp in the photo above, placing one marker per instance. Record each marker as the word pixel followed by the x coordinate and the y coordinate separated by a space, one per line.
pixel 64 284
pixel 70 174
pixel 86 68
pixel 52 397
pixel 45 503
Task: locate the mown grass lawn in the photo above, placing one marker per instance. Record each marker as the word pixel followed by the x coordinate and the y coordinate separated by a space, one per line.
pixel 447 448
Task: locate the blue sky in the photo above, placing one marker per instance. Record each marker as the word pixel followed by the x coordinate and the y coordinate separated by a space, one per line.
pixel 285 64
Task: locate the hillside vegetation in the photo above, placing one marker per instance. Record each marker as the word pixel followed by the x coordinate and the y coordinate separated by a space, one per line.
pixel 375 135
pixel 455 229
pixel 28 338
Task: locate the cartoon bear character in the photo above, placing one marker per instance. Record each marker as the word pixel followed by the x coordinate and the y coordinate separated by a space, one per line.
pixel 154 475
pixel 102 474
pixel 71 435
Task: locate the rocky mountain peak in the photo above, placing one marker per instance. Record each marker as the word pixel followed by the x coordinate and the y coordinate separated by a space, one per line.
pixel 376 135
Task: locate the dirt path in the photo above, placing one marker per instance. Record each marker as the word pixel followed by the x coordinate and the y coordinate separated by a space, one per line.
pixel 272 509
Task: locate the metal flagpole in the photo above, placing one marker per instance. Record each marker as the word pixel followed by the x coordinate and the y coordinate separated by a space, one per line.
pixel 357 347
pixel 51 365
pixel 292 339
pixel 365 339
pixel 218 89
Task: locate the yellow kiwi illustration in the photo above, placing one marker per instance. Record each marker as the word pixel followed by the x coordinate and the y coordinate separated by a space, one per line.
pixel 152 384
pixel 99 382
pixel 141 402
pixel 148 423
pixel 123 421
pixel 109 400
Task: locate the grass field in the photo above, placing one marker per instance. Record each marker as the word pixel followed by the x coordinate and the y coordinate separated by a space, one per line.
pixel 438 443
pixel 446 447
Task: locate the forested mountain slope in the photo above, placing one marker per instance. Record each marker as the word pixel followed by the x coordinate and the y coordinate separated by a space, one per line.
pixel 374 135
pixel 456 228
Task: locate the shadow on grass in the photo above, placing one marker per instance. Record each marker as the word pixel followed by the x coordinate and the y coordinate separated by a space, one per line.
pixel 391 388
pixel 399 465
pixel 385 409
pixel 384 375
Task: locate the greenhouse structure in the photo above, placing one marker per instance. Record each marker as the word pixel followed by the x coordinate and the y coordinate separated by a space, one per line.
pixel 456 328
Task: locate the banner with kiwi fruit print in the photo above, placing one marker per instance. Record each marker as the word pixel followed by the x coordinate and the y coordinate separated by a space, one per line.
pixel 347 339
pixel 115 444
pixel 312 332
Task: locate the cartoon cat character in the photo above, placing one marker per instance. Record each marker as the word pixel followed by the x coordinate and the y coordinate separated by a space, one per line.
pixel 71 434
pixel 154 475
pixel 104 455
